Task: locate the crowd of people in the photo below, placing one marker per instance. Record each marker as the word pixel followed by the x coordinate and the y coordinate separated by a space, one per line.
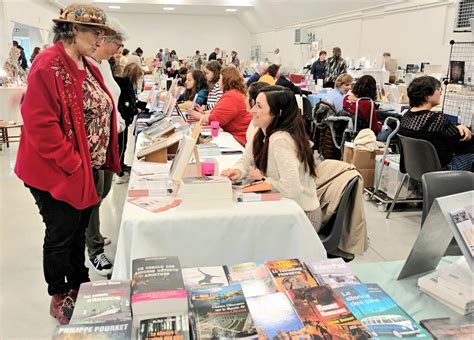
pixel 82 98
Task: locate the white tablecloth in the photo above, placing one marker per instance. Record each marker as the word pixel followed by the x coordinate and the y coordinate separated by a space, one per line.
pixel 246 232
pixel 10 103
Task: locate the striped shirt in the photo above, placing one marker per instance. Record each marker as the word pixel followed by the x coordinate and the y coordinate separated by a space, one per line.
pixel 214 95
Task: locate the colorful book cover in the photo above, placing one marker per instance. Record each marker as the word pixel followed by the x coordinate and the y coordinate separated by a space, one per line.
pixel 113 330
pixel 464 220
pixel 156 278
pixel 254 277
pixel 222 312
pixel 100 301
pixel 204 277
pixel 455 328
pixel 379 314
pixel 274 316
pixel 290 274
pixel 323 312
pixel 165 328
pixel 332 272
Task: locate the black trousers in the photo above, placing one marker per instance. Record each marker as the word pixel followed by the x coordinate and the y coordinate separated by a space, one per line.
pixel 64 242
pixel 122 145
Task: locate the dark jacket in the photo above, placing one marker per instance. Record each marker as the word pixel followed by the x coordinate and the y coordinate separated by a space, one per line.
pixel 253 79
pixel 318 69
pixel 22 59
pixel 127 104
pixel 212 56
pixel 282 81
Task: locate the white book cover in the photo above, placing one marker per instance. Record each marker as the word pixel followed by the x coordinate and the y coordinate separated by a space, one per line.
pixel 204 277
pixel 464 220
pixel 458 276
pixel 333 272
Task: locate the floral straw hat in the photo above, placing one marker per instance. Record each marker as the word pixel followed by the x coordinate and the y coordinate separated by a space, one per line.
pixel 85 14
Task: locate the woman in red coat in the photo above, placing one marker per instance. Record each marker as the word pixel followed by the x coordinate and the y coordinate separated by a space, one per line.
pixel 230 111
pixel 69 132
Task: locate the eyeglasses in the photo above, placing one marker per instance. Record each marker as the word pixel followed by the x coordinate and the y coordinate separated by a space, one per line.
pixel 99 34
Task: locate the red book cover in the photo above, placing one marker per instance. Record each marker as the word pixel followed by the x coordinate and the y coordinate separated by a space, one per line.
pixel 290 274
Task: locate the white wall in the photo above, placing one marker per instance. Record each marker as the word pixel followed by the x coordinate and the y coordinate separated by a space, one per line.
pixel 185 34
pixel 412 35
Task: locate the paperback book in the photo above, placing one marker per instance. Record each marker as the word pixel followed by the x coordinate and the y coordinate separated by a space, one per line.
pixel 112 330
pixel 455 328
pixel 254 277
pixel 332 272
pixel 204 277
pixel 464 220
pixel 155 204
pixel 379 314
pixel 274 316
pixel 290 274
pixel 101 301
pixel 157 288
pixel 222 312
pixel 165 328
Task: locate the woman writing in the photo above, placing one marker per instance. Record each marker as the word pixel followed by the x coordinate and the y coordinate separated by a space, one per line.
pixel 280 152
pixel 69 133
pixel 230 111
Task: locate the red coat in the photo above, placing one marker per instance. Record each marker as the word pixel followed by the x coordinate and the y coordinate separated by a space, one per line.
pixel 231 113
pixel 364 113
pixel 53 154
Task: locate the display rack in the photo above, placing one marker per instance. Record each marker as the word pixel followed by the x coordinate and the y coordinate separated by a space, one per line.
pixel 458 99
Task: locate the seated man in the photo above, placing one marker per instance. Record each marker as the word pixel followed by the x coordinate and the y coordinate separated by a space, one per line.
pixel 452 142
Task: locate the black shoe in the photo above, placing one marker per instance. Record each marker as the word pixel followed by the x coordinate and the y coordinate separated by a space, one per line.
pixel 126 168
pixel 101 264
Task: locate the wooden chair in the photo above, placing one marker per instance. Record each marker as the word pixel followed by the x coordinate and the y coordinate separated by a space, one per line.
pixel 5 138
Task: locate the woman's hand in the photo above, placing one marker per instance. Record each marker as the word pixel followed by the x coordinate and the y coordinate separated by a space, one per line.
pixel 195 114
pixel 232 174
pixel 255 174
pixel 199 108
pixel 465 133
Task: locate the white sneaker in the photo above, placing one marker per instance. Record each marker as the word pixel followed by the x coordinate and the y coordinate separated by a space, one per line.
pixel 122 179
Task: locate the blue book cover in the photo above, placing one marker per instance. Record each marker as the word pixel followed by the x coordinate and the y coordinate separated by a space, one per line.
pixel 274 316
pixel 380 315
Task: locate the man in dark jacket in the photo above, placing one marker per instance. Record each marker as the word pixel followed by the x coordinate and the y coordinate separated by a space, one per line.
pixel 213 55
pixel 262 69
pixel 318 69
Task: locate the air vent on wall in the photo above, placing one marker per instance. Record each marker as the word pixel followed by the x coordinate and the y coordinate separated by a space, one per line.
pixel 464 12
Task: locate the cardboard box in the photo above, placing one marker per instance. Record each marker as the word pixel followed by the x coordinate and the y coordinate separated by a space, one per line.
pixel 364 161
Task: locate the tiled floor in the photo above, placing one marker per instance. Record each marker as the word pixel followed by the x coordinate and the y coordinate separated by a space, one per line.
pixel 24 302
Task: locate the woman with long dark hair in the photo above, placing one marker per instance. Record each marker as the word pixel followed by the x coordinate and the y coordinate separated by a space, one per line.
pixel 196 85
pixel 280 152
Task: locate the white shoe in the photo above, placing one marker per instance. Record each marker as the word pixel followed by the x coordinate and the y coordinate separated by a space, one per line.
pixel 122 179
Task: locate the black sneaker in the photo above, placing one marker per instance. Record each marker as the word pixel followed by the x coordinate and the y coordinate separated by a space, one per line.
pixel 101 264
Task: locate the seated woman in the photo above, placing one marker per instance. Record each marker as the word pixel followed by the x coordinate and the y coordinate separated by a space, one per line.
pixel 169 70
pixel 230 111
pixel 280 152
pixel 270 76
pixel 213 70
pixel 365 87
pixel 283 81
pixel 452 142
pixel 252 93
pixel 342 87
pixel 196 88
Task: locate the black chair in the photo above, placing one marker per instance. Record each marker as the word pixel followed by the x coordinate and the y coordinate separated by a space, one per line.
pixel 417 157
pixel 444 183
pixel 330 233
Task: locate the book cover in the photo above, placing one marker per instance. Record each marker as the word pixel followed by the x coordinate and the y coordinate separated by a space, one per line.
pixel 458 277
pixel 165 328
pixel 455 328
pixel 290 274
pixel 456 71
pixel 332 272
pixel 113 330
pixel 204 277
pixel 323 312
pixel 379 314
pixel 222 313
pixel 101 301
pixel 263 196
pixel 155 204
pixel 254 277
pixel 274 316
pixel 464 220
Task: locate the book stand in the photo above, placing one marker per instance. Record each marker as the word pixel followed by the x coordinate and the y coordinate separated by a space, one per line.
pixel 161 156
pixel 435 236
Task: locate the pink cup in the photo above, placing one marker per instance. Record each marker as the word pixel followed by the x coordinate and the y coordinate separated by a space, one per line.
pixel 208 169
pixel 214 128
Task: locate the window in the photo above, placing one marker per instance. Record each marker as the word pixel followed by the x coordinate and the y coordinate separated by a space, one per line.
pixel 464 12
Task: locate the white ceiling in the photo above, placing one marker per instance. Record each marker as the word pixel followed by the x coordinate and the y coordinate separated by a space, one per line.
pixel 255 15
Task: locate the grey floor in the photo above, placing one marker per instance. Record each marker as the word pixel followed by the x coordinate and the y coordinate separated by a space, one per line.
pixel 24 302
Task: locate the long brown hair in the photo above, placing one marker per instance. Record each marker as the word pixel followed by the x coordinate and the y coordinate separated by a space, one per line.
pixel 215 68
pixel 232 80
pixel 199 84
pixel 287 118
pixel 133 72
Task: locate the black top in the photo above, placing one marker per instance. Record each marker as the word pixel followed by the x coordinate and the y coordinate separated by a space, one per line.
pixel 318 69
pixel 436 129
pixel 253 79
pixel 22 59
pixel 212 56
pixel 127 105
pixel 282 81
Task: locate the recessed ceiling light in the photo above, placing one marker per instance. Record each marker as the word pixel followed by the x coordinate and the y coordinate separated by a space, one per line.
pixel 231 10
pixel 168 8
pixel 114 7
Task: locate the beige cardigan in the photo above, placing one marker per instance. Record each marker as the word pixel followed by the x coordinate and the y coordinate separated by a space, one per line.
pixel 284 170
